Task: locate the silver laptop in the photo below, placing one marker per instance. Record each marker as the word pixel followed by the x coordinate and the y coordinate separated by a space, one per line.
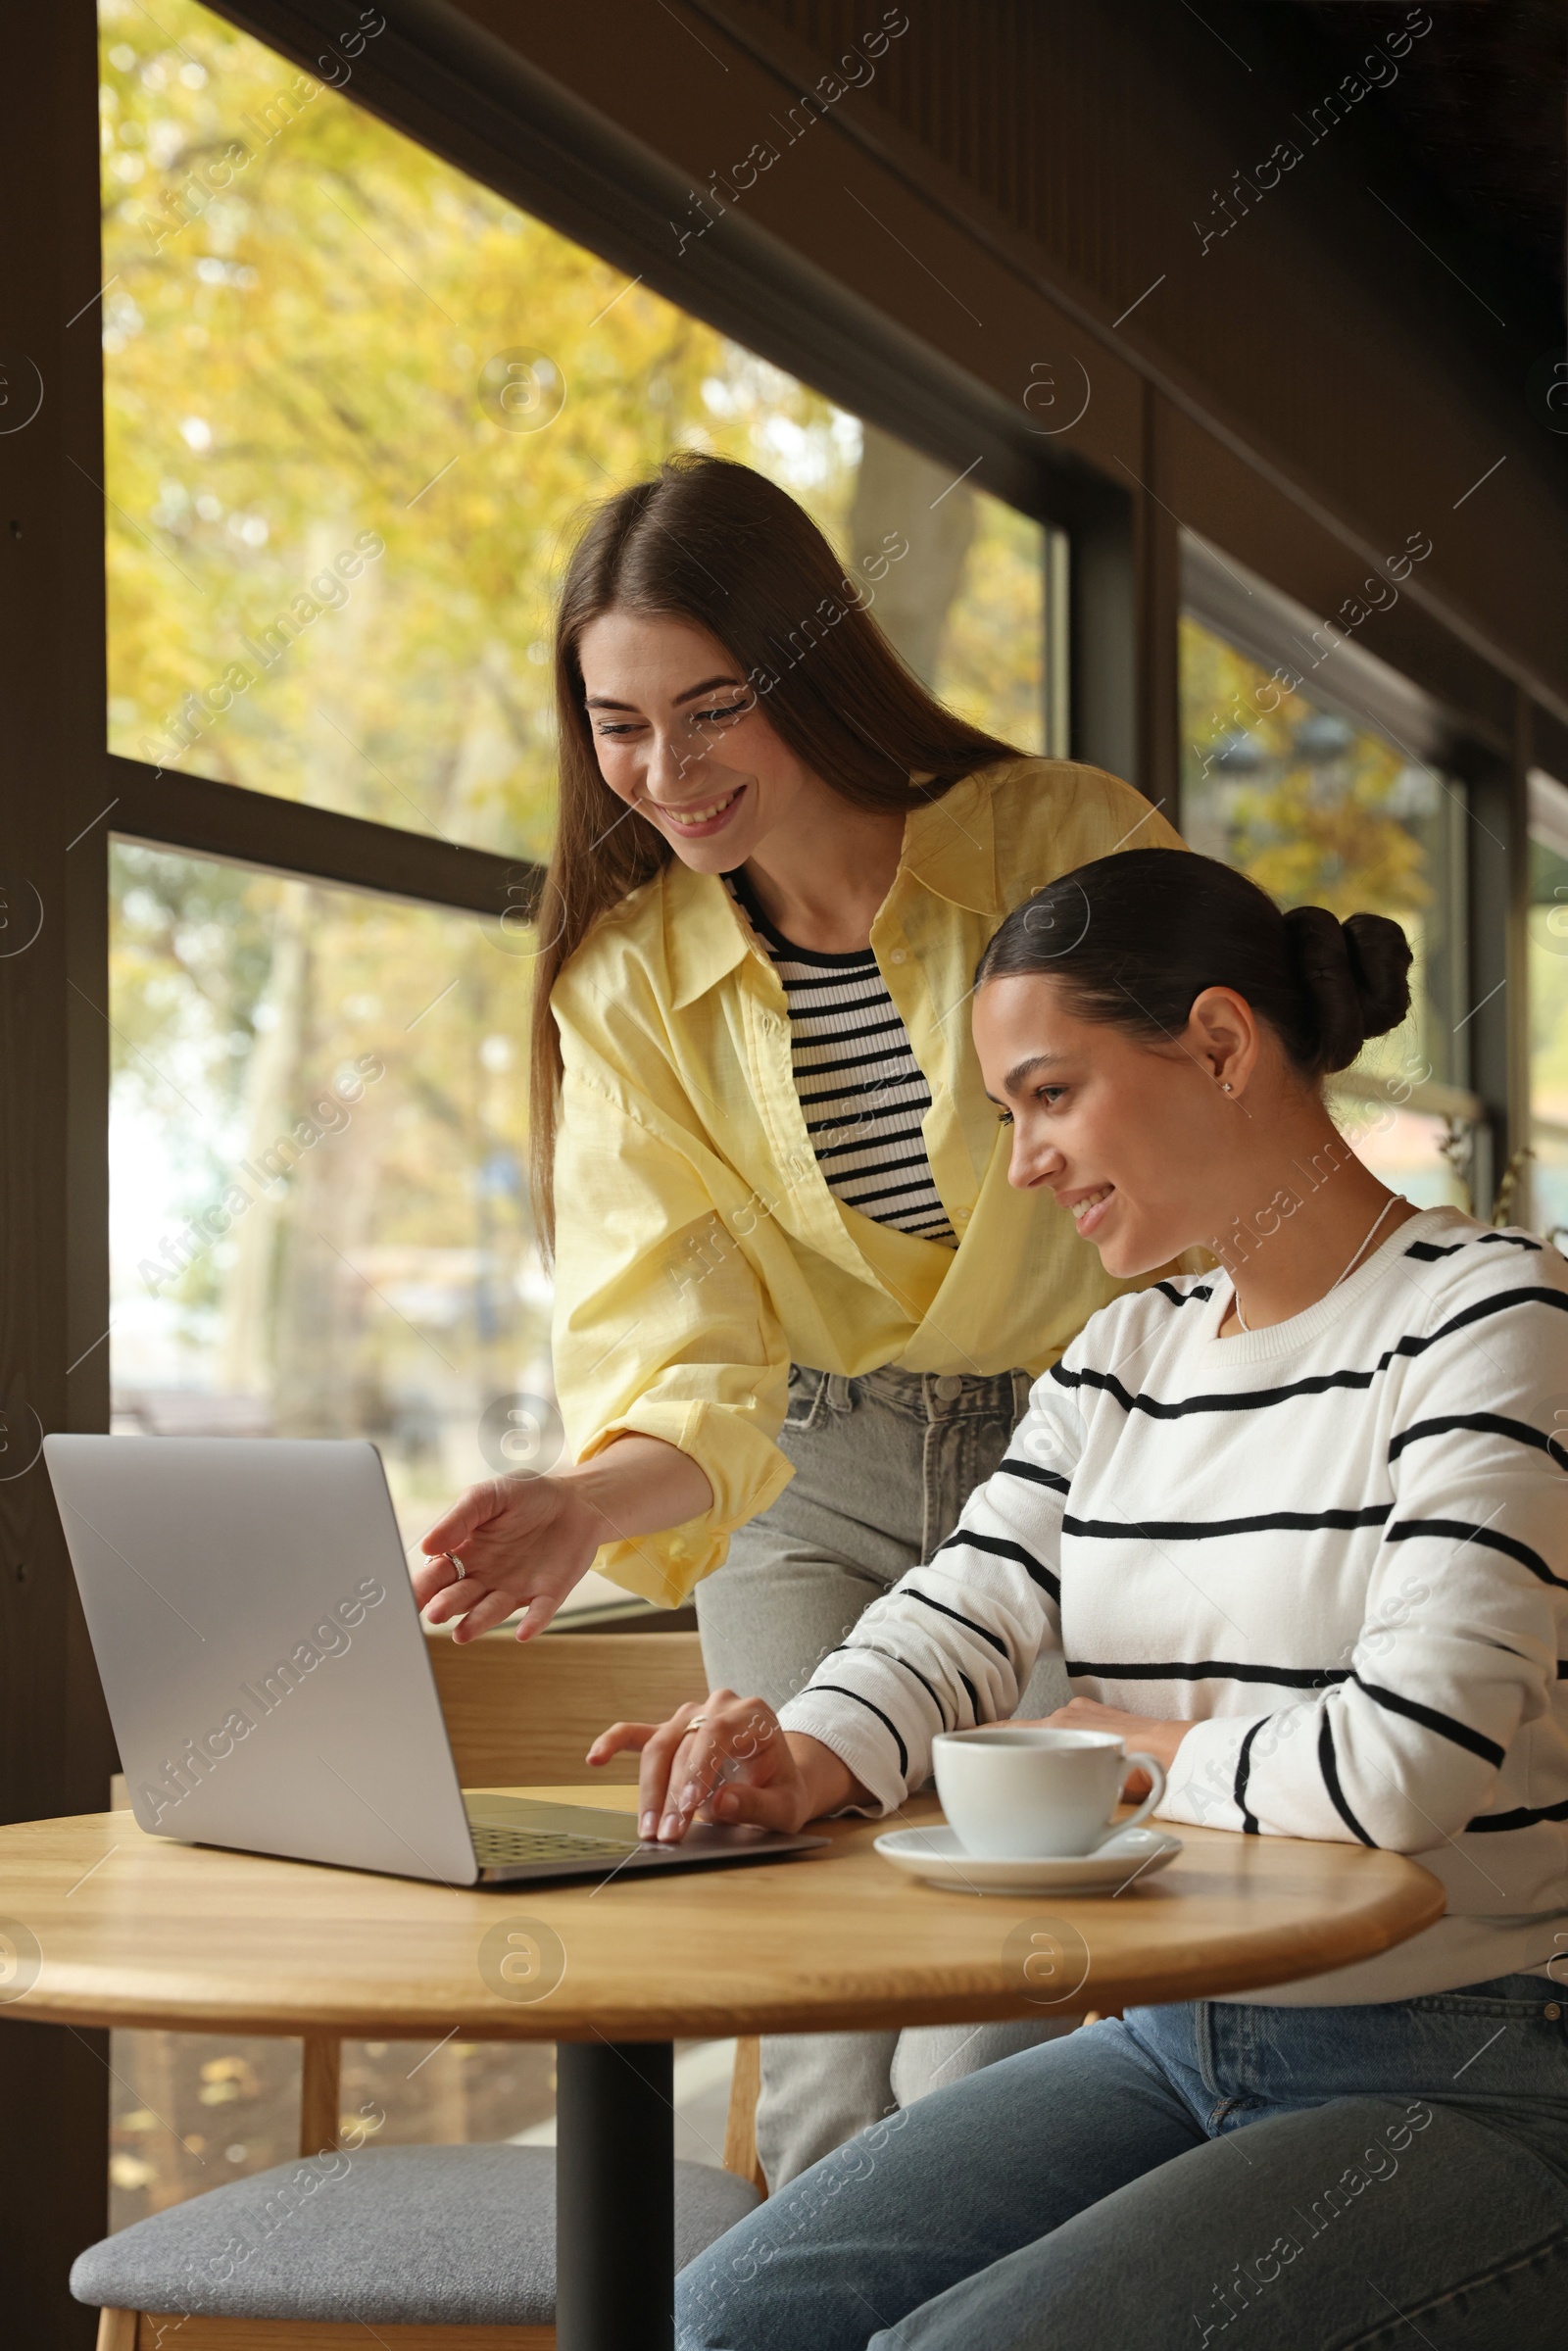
pixel 269 1679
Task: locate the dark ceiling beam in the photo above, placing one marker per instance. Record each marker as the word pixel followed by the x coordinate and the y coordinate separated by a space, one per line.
pixel 1340 293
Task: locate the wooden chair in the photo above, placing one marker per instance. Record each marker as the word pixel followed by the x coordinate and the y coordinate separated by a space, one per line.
pixel 517 1716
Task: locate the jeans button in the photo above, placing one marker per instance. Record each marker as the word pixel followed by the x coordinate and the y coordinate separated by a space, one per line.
pixel 1551 2010
pixel 948 1387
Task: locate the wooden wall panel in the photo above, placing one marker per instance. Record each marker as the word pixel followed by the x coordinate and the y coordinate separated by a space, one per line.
pixel 55 1750
pixel 1319 341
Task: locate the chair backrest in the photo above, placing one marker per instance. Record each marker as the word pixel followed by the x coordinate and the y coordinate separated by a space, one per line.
pixel 523 1714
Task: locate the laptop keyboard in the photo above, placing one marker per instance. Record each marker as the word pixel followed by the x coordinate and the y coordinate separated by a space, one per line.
pixel 542 1844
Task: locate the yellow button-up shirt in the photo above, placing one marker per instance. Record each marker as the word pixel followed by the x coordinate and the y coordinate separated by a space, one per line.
pixel 699 1249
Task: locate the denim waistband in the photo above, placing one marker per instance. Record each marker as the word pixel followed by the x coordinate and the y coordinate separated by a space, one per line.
pixel 926 1395
pixel 1504 2039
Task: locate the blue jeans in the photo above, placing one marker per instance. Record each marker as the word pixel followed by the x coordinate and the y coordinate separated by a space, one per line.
pixel 1209 2175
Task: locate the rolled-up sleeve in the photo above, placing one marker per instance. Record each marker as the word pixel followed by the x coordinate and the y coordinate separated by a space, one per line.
pixel 661 1326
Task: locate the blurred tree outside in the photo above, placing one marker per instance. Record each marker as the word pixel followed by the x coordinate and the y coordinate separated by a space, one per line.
pixel 311 351
pixel 193 2112
pixel 339 1230
pixel 1321 810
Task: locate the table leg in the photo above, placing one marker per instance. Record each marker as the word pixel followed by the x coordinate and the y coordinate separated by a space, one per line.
pixel 615 2195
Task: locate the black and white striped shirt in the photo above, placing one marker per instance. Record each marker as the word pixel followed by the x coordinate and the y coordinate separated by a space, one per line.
pixel 861 1089
pixel 1339 1547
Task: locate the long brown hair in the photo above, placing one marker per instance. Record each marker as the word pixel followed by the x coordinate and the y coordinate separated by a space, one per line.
pixel 711 542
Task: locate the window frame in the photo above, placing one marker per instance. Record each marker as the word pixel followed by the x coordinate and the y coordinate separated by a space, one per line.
pixel 528 141
pixel 479 106
pixel 1270 626
pixel 468 98
pixel 517 133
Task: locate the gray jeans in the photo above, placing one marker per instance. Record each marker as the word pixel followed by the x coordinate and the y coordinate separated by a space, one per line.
pixel 883 1465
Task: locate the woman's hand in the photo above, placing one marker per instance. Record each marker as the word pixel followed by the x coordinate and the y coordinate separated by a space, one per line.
pixel 525 1541
pixel 729 1760
pixel 1144 1734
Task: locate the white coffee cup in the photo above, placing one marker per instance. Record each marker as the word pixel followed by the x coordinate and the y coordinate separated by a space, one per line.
pixel 1013 1791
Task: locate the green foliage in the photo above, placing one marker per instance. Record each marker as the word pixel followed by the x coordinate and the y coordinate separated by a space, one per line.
pixel 1312 832
pixel 1324 812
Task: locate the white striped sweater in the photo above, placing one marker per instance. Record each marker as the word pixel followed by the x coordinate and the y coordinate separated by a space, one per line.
pixel 862 1091
pixel 1338 1547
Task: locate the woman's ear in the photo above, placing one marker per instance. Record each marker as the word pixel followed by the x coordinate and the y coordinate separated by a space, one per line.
pixel 1223 1037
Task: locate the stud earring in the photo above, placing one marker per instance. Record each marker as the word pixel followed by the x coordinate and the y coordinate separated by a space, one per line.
pixel 1224 1085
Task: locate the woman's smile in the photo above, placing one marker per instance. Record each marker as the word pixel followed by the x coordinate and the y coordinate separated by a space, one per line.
pixel 1087 1209
pixel 697 822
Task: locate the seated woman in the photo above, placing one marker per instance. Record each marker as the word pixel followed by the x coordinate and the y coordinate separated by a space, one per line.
pixel 1301 1528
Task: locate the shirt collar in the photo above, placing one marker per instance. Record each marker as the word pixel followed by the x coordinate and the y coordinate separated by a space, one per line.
pixel 703 935
pixel 949 846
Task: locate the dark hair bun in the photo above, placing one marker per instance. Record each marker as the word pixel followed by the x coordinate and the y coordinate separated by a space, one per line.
pixel 1381 955
pixel 1355 973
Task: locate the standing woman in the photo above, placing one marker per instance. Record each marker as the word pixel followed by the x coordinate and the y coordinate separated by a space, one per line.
pixel 797 1305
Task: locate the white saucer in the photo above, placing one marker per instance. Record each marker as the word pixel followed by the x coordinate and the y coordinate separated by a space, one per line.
pixel 936 1856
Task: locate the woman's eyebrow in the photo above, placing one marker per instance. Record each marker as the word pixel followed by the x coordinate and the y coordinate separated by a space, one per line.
pixel 1021 1070
pixel 602 701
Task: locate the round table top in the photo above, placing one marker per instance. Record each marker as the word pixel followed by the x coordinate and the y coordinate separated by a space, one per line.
pixel 101 1923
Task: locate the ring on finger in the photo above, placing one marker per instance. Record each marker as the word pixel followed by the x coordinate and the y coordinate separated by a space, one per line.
pixel 697 1722
pixel 458 1564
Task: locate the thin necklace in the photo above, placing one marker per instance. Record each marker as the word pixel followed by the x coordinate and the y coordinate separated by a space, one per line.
pixel 1391 1203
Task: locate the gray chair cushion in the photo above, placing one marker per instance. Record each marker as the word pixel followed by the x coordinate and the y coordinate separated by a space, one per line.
pixel 464 2236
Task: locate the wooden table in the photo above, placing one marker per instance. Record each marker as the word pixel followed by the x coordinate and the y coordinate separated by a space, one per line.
pixel 133 1930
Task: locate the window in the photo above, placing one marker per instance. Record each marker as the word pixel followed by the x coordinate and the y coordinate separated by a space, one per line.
pixel 1549 1004
pixel 1315 770
pixel 355 403
pixel 316 1134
